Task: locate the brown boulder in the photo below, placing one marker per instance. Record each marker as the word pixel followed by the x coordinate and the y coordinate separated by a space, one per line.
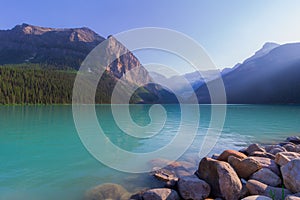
pixel 262 154
pixel 257 197
pixel 283 158
pixel 224 156
pixel 254 147
pixel 221 177
pixel 244 167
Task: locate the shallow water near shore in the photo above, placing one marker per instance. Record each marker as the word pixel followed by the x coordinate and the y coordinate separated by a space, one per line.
pixel 42 156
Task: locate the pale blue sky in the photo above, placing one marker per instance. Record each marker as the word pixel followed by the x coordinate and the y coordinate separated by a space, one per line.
pixel 230 30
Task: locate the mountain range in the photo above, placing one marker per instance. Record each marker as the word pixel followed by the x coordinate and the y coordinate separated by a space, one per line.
pixel 271 76
pixel 36 61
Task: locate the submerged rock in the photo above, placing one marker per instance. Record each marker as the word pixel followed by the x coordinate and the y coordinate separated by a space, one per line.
pixel 221 177
pixel 160 194
pixel 244 167
pixel 108 191
pixel 266 176
pixel 191 187
pixel 257 188
pixel 291 175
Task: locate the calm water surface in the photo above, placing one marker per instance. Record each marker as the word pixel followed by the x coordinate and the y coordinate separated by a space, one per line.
pixel 42 156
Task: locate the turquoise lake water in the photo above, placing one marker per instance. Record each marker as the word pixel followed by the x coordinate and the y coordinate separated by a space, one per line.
pixel 42 156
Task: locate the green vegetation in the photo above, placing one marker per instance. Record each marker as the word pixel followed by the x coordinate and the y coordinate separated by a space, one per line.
pixel 39 84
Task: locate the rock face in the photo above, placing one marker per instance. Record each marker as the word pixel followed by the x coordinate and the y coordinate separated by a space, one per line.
pixel 191 187
pixel 224 156
pixel 276 150
pixel 283 158
pixel 221 177
pixel 33 44
pixel 257 197
pixel 258 188
pixel 266 176
pixel 267 163
pixel 160 194
pixel 107 191
pixel 291 175
pixel 244 167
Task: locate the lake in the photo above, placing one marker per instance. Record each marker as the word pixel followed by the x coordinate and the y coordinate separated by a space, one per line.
pixel 42 156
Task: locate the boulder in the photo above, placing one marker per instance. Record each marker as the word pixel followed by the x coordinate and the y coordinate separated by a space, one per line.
pixel 257 188
pixel 254 147
pixel 291 175
pixel 191 187
pixel 283 158
pixel 293 197
pixel 221 177
pixel 268 148
pixel 257 197
pixel 293 139
pixel 267 163
pixel 262 154
pixel 244 167
pixel 266 176
pixel 107 191
pixel 276 150
pixel 224 156
pixel 160 194
pixel 289 146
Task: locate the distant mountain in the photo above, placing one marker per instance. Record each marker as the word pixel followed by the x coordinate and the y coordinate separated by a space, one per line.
pixel 66 49
pixel 272 75
pixel 177 83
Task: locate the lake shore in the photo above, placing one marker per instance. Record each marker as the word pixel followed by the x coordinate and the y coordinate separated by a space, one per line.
pixel 255 172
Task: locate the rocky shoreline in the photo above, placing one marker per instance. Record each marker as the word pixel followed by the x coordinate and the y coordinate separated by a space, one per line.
pixel 257 172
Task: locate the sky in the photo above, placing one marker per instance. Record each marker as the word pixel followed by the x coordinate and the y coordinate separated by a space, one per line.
pixel 230 31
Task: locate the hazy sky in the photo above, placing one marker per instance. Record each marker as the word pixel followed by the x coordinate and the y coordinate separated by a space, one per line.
pixel 230 30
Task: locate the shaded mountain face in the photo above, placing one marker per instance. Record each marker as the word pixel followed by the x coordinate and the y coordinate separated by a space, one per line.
pixel 273 77
pixel 67 48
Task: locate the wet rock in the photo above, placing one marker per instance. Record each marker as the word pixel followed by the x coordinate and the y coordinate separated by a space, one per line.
pixel 244 167
pixel 276 150
pixel 266 176
pixel 267 163
pixel 191 187
pixel 262 154
pixel 224 156
pixel 254 147
pixel 292 147
pixel 258 188
pixel 160 194
pixel 291 175
pixel 164 175
pixel 215 156
pixel 221 177
pixel 293 139
pixel 257 197
pixel 108 191
pixel 283 158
